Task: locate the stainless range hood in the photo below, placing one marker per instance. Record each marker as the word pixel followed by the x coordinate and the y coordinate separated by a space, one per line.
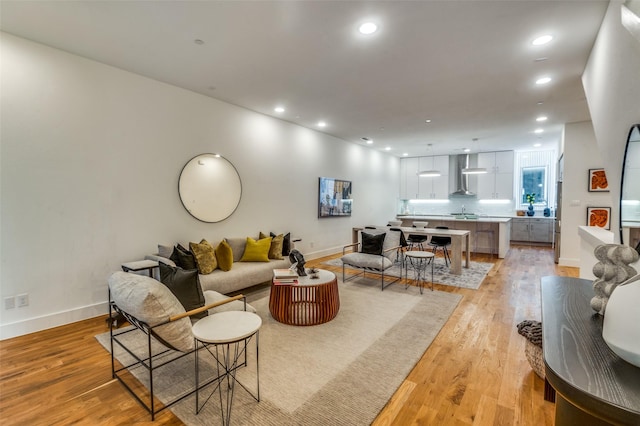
pixel 461 181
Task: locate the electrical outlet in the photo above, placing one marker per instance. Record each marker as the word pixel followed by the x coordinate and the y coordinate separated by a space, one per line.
pixel 9 302
pixel 22 300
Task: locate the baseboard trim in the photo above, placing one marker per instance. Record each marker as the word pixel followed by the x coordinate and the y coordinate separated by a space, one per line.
pixel 44 322
pixel 563 261
pixel 323 253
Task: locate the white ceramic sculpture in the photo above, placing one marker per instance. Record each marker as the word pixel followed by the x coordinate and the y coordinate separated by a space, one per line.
pixel 621 328
pixel 612 269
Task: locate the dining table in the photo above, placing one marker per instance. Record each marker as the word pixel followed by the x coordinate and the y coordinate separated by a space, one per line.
pixel 460 242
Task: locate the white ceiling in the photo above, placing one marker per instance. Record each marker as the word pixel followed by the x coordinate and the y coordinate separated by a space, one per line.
pixel 469 66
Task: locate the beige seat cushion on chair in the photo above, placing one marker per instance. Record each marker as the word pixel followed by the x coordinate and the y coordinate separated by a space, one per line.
pixel 368 261
pixel 152 302
pixel 211 296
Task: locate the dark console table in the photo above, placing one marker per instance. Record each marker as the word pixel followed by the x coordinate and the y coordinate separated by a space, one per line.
pixel 594 386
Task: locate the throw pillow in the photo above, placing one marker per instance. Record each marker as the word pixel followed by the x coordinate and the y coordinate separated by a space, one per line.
pixel 205 256
pixel 286 243
pixel 165 250
pixel 185 285
pixel 224 255
pixel 237 246
pixel 372 244
pixel 256 251
pixel 275 251
pixel 183 257
pixel 151 302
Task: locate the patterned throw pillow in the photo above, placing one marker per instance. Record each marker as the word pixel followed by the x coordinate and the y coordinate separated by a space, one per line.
pixel 224 255
pixel 277 241
pixel 256 251
pixel 205 256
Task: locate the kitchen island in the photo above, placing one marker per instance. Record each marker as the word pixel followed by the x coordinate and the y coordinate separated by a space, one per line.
pixel 477 225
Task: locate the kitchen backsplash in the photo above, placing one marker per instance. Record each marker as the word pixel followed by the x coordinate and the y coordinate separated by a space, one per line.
pixel 455 205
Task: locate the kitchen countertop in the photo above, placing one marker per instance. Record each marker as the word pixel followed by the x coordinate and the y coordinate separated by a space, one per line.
pixel 453 218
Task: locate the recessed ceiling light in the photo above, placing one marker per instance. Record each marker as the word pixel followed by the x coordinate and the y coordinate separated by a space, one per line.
pixel 537 145
pixel 322 124
pixel 427 120
pixel 542 118
pixel 538 131
pixel 466 149
pixel 198 41
pixel 405 154
pixel 387 148
pixel 540 59
pixel 278 109
pixel 368 28
pixel 539 103
pixel 543 80
pixel 542 40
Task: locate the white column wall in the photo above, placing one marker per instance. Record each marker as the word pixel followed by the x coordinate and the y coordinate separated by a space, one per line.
pixel 90 160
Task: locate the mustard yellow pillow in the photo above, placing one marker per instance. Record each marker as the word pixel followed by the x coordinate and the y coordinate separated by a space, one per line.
pixel 256 251
pixel 224 255
pixel 275 251
pixel 205 256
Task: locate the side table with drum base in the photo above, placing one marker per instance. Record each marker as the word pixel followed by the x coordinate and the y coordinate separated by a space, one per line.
pixel 226 335
pixel 311 301
pixel 419 260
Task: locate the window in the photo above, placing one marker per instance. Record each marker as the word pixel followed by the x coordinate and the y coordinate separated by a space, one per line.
pixel 535 173
pixel 534 181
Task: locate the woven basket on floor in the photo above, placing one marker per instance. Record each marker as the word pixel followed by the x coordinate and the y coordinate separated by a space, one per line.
pixel 534 356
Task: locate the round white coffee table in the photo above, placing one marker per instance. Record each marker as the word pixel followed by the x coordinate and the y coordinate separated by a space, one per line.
pixel 229 333
pixel 419 261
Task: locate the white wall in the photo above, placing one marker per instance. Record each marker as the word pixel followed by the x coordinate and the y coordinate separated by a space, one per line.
pixel 580 154
pixel 90 160
pixel 612 85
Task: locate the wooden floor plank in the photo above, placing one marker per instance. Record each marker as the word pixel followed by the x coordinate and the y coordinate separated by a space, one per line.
pixel 474 372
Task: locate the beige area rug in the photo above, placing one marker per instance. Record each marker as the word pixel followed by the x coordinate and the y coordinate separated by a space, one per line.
pixel 339 373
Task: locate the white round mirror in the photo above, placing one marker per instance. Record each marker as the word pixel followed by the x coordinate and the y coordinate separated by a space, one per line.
pixel 210 187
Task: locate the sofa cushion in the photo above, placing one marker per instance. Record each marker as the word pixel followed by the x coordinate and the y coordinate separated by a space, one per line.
pixel 372 243
pixel 243 275
pixel 224 255
pixel 184 284
pixel 237 305
pixel 237 247
pixel 205 256
pixel 364 260
pixel 256 251
pixel 153 303
pixel 277 241
pixel 165 250
pixel 183 257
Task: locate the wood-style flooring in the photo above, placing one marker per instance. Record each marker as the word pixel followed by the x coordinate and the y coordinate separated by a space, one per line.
pixel 474 373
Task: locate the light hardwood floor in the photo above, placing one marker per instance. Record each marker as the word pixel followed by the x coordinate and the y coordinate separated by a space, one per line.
pixel 474 373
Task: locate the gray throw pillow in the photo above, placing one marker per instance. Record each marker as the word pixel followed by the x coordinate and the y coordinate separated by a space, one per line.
pixel 185 285
pixel 372 244
pixel 183 258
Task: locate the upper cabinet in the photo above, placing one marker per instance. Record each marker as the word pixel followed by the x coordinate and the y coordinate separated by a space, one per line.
pixel 413 186
pixel 497 183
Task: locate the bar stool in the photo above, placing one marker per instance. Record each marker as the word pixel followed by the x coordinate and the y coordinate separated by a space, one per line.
pixel 417 240
pixel 419 261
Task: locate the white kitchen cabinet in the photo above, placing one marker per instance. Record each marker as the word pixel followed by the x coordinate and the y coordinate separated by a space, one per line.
pixel 434 187
pixel 409 185
pixel 532 230
pixel 497 183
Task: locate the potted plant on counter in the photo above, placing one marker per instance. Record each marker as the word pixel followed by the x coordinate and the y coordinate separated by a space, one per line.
pixel 531 198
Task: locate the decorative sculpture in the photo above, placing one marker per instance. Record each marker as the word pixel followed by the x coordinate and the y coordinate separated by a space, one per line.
pixel 612 269
pixel 296 258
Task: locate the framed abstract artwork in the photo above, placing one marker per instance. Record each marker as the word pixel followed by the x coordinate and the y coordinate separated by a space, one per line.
pixel 334 197
pixel 598 181
pixel 599 216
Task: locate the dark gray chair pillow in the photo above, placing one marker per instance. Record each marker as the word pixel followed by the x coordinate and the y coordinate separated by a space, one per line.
pixel 185 285
pixel 372 244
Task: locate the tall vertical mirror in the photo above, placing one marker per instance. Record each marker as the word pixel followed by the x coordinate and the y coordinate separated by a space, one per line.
pixel 630 190
pixel 210 187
